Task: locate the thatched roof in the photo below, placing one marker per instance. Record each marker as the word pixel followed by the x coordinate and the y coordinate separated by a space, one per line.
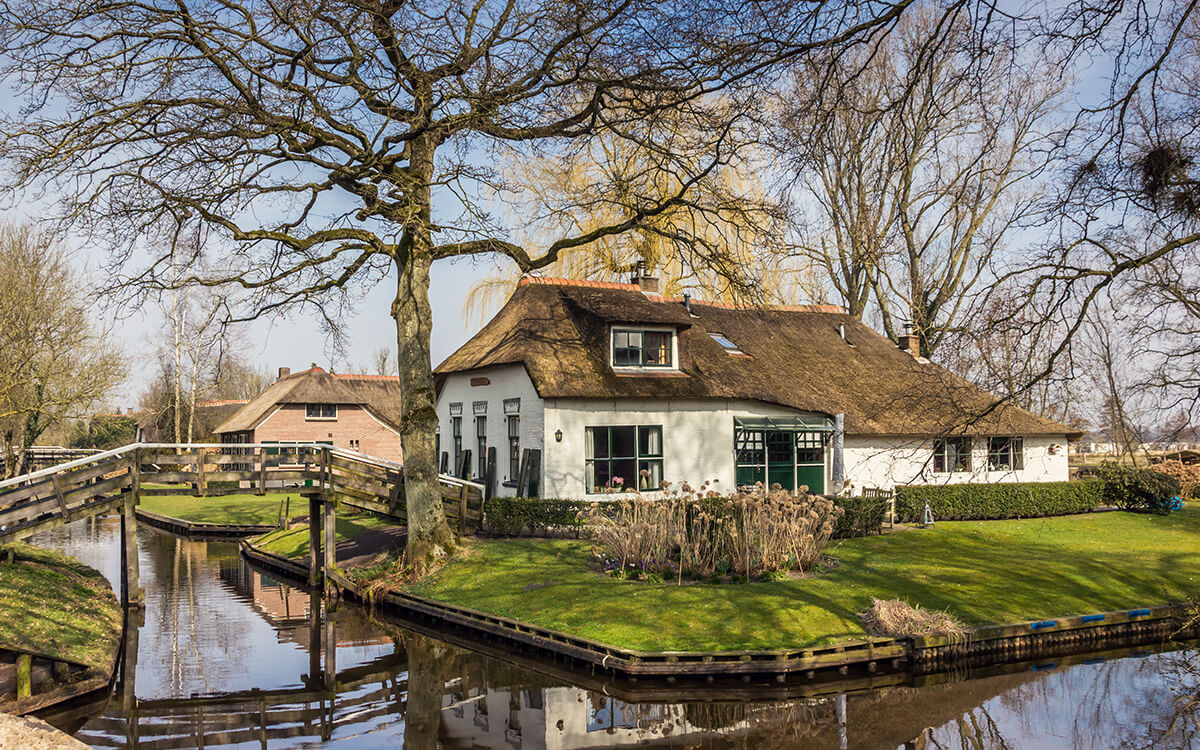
pixel 558 330
pixel 379 394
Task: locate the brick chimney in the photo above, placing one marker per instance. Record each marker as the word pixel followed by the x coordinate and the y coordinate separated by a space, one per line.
pixel 284 372
pixel 647 283
pixel 910 342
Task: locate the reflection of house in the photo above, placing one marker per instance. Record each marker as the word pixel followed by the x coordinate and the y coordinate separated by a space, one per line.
pixel 560 717
pixel 358 412
pixel 619 388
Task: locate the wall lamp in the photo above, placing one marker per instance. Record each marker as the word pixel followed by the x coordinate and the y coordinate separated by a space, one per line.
pixel 558 436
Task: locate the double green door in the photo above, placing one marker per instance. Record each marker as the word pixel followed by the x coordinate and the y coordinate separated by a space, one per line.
pixel 788 458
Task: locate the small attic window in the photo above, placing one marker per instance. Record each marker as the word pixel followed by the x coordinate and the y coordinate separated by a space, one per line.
pixel 725 343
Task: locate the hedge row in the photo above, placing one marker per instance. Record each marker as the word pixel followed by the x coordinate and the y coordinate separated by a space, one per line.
pixel 1007 500
pixel 513 516
pixel 863 516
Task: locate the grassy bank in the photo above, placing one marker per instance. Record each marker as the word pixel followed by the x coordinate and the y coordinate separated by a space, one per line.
pixel 982 572
pixel 58 607
pixel 293 542
pixel 236 509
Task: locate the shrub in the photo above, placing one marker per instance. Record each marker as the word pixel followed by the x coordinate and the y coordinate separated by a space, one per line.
pixel 1188 476
pixel 990 501
pixel 747 535
pixel 1137 489
pixel 861 516
pixel 511 516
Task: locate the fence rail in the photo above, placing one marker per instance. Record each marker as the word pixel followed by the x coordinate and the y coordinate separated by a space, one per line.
pixel 102 482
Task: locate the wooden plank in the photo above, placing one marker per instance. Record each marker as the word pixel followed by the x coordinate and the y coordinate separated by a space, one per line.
pixel 373 487
pixel 462 510
pixel 396 493
pixel 86 492
pixel 200 482
pixel 58 493
pixel 360 467
pixel 169 477
pixel 262 471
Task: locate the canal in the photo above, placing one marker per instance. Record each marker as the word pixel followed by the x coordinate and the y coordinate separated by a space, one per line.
pixel 226 656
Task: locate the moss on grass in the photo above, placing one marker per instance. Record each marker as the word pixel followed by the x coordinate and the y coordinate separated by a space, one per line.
pixel 293 542
pixel 57 606
pixel 236 509
pixel 982 572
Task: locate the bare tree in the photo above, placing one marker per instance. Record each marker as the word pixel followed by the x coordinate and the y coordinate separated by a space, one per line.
pixel 920 162
pixel 54 361
pixel 314 136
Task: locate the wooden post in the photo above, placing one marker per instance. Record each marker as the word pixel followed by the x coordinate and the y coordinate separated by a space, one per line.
pixel 200 471
pixel 314 636
pixel 489 478
pixel 314 540
pixel 330 542
pixel 462 509
pixel 24 676
pixel 262 471
pixel 133 591
pixel 129 666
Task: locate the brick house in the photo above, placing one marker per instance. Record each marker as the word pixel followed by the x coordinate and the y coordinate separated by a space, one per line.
pixel 357 412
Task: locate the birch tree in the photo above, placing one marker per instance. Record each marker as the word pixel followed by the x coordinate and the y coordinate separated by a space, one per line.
pixel 314 137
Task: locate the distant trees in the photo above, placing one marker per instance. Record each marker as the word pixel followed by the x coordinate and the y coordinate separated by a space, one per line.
pixel 54 360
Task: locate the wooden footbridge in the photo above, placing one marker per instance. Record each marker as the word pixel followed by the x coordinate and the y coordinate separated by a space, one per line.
pixel 114 481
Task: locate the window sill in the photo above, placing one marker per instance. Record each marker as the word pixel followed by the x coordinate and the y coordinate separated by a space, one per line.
pixel 510 485
pixel 320 419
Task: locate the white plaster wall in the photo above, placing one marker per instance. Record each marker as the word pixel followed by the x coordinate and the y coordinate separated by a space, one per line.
pixel 506 381
pixel 889 462
pixel 697 438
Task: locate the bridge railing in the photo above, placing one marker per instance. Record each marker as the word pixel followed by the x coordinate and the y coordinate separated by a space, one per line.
pixel 99 482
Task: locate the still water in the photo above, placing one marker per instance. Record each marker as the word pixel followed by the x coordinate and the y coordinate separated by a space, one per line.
pixel 229 657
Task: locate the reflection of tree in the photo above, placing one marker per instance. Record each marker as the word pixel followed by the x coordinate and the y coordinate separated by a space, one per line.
pixel 431 663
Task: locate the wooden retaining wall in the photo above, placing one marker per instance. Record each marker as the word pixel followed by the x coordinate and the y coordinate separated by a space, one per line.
pixel 918 654
pixel 200 530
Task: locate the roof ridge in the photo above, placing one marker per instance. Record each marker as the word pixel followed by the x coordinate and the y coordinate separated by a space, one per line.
pixel 554 281
pixel 363 376
pixel 836 309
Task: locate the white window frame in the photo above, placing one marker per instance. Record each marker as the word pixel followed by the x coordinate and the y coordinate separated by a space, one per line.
pixel 633 327
pixel 310 418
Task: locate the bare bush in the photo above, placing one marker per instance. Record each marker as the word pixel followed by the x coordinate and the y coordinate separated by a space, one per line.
pixel 700 534
pixel 1187 474
pixel 898 617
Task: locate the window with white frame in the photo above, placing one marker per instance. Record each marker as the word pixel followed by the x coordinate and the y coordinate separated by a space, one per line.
pixel 1006 454
pixel 320 411
pixel 514 446
pixel 952 455
pixel 623 458
pixel 481 444
pixel 634 347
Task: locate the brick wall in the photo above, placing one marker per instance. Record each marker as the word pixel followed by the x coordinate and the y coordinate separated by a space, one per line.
pixel 288 423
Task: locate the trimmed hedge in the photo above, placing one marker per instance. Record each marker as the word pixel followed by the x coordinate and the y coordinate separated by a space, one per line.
pixel 963 502
pixel 863 516
pixel 512 516
pixel 1137 489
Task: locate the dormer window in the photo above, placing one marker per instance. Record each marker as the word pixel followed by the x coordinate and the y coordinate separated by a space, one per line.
pixel 639 347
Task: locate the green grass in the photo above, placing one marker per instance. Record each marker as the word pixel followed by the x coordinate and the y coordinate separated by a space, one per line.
pixel 293 542
pixel 988 572
pixel 57 606
pixel 237 509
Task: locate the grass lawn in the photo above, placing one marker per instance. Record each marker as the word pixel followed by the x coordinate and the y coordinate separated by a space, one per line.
pixel 239 509
pixel 58 606
pixel 294 542
pixel 988 572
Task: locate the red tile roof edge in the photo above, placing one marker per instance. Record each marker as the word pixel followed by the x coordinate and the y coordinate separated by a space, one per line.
pixel 549 281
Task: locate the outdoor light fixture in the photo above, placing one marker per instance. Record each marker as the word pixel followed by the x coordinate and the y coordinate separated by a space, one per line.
pixel 558 436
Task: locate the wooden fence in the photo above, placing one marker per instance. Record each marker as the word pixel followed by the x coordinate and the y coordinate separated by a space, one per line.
pixel 106 482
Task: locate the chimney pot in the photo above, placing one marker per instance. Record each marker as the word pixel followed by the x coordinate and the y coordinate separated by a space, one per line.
pixel 910 343
pixel 647 283
pixel 284 372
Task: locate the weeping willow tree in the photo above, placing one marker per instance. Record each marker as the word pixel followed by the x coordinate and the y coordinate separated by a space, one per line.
pixel 723 243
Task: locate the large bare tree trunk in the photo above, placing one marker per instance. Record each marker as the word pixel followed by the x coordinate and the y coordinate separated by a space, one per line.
pixel 429 536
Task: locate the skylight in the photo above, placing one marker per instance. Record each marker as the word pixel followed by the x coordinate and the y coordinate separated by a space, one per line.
pixel 725 343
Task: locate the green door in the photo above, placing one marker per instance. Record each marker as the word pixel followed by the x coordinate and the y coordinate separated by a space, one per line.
pixel 781 466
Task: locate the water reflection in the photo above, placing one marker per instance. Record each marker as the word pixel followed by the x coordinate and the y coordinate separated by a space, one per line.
pixel 228 656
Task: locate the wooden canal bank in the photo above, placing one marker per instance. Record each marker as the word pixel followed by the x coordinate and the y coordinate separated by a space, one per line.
pixel 865 657
pixel 199 530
